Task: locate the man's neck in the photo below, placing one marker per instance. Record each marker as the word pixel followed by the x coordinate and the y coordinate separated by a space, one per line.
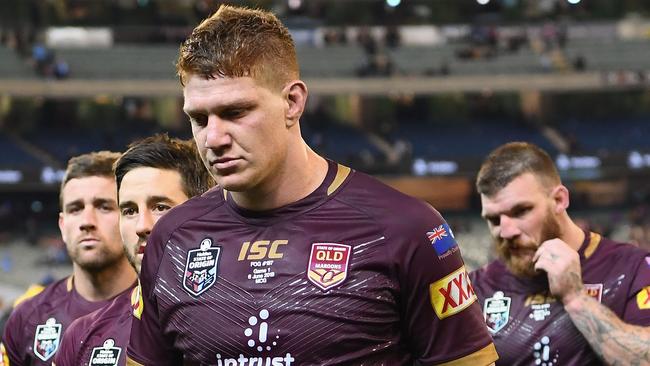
pixel 573 235
pixel 296 180
pixel 106 284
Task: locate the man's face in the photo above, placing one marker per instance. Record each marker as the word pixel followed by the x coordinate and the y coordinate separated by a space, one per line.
pixel 89 222
pixel 146 194
pixel 520 218
pixel 240 130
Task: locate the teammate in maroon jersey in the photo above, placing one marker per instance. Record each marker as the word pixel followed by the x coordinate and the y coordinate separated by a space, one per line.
pixel 100 270
pixel 294 259
pixel 153 175
pixel 556 295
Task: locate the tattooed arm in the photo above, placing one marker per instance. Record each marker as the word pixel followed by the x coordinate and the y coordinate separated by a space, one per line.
pixel 615 342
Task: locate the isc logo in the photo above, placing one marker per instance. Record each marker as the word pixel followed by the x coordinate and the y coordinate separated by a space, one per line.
pixel 452 294
pixel 261 249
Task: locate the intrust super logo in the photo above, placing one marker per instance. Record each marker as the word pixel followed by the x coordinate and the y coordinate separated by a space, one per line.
pixel 452 294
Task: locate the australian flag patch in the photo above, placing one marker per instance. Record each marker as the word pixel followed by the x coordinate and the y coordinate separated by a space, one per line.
pixel 442 239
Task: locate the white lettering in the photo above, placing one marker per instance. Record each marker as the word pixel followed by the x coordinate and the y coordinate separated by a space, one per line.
pixel 208 263
pixel 242 360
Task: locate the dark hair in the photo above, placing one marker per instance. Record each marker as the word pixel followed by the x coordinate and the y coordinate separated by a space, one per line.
pixel 511 160
pixel 238 42
pixel 94 164
pixel 162 152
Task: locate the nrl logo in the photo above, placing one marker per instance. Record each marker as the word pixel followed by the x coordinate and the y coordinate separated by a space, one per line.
pixel 201 268
pixel 108 354
pixel 496 311
pixel 46 339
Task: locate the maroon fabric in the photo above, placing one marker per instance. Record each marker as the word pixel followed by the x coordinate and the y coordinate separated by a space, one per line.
pixel 264 307
pixel 56 302
pixel 99 338
pixel 538 330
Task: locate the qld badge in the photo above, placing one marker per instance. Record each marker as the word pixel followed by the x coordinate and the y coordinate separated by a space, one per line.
pixel 328 264
pixel 46 339
pixel 496 311
pixel 594 290
pixel 108 354
pixel 201 268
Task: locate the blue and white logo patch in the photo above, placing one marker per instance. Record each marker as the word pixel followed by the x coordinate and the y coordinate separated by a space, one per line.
pixel 201 268
pixel 496 311
pixel 46 339
pixel 442 239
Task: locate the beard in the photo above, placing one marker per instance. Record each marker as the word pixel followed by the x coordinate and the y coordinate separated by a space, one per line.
pixel 97 262
pixel 523 265
pixel 132 256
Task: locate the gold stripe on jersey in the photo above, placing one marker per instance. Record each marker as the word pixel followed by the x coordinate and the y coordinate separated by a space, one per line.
pixel 131 362
pixel 225 195
pixel 68 284
pixel 342 172
pixel 32 291
pixel 485 356
pixel 594 240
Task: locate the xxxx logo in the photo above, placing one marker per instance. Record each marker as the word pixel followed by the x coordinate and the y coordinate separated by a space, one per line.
pixel 452 294
pixel 643 298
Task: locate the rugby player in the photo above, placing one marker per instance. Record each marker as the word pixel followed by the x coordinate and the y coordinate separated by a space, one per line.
pixel 154 175
pixel 294 259
pixel 556 295
pixel 100 271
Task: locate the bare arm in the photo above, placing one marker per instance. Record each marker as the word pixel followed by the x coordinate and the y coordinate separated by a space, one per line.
pixel 614 341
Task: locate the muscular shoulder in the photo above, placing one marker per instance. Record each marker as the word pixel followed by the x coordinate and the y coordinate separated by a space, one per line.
pixel 47 299
pixel 386 205
pixel 190 209
pixel 610 251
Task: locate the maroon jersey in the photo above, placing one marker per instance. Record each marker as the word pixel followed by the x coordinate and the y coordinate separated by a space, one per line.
pixel 530 327
pixel 33 331
pixel 99 338
pixel 355 273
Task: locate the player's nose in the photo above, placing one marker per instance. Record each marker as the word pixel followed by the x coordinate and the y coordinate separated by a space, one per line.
pixel 144 224
pixel 508 227
pixel 217 134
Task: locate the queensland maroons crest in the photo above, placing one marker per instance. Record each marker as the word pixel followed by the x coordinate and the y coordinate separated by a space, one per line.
pixel 328 264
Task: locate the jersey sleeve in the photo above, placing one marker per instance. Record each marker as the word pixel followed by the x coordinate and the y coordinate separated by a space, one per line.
pixel 13 338
pixel 148 345
pixel 440 310
pixel 637 308
pixel 69 346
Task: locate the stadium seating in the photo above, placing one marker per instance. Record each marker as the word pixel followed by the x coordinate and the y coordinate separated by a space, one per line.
pixel 13 67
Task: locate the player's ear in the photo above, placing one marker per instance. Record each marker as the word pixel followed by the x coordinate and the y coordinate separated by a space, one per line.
pixel 295 94
pixel 560 196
